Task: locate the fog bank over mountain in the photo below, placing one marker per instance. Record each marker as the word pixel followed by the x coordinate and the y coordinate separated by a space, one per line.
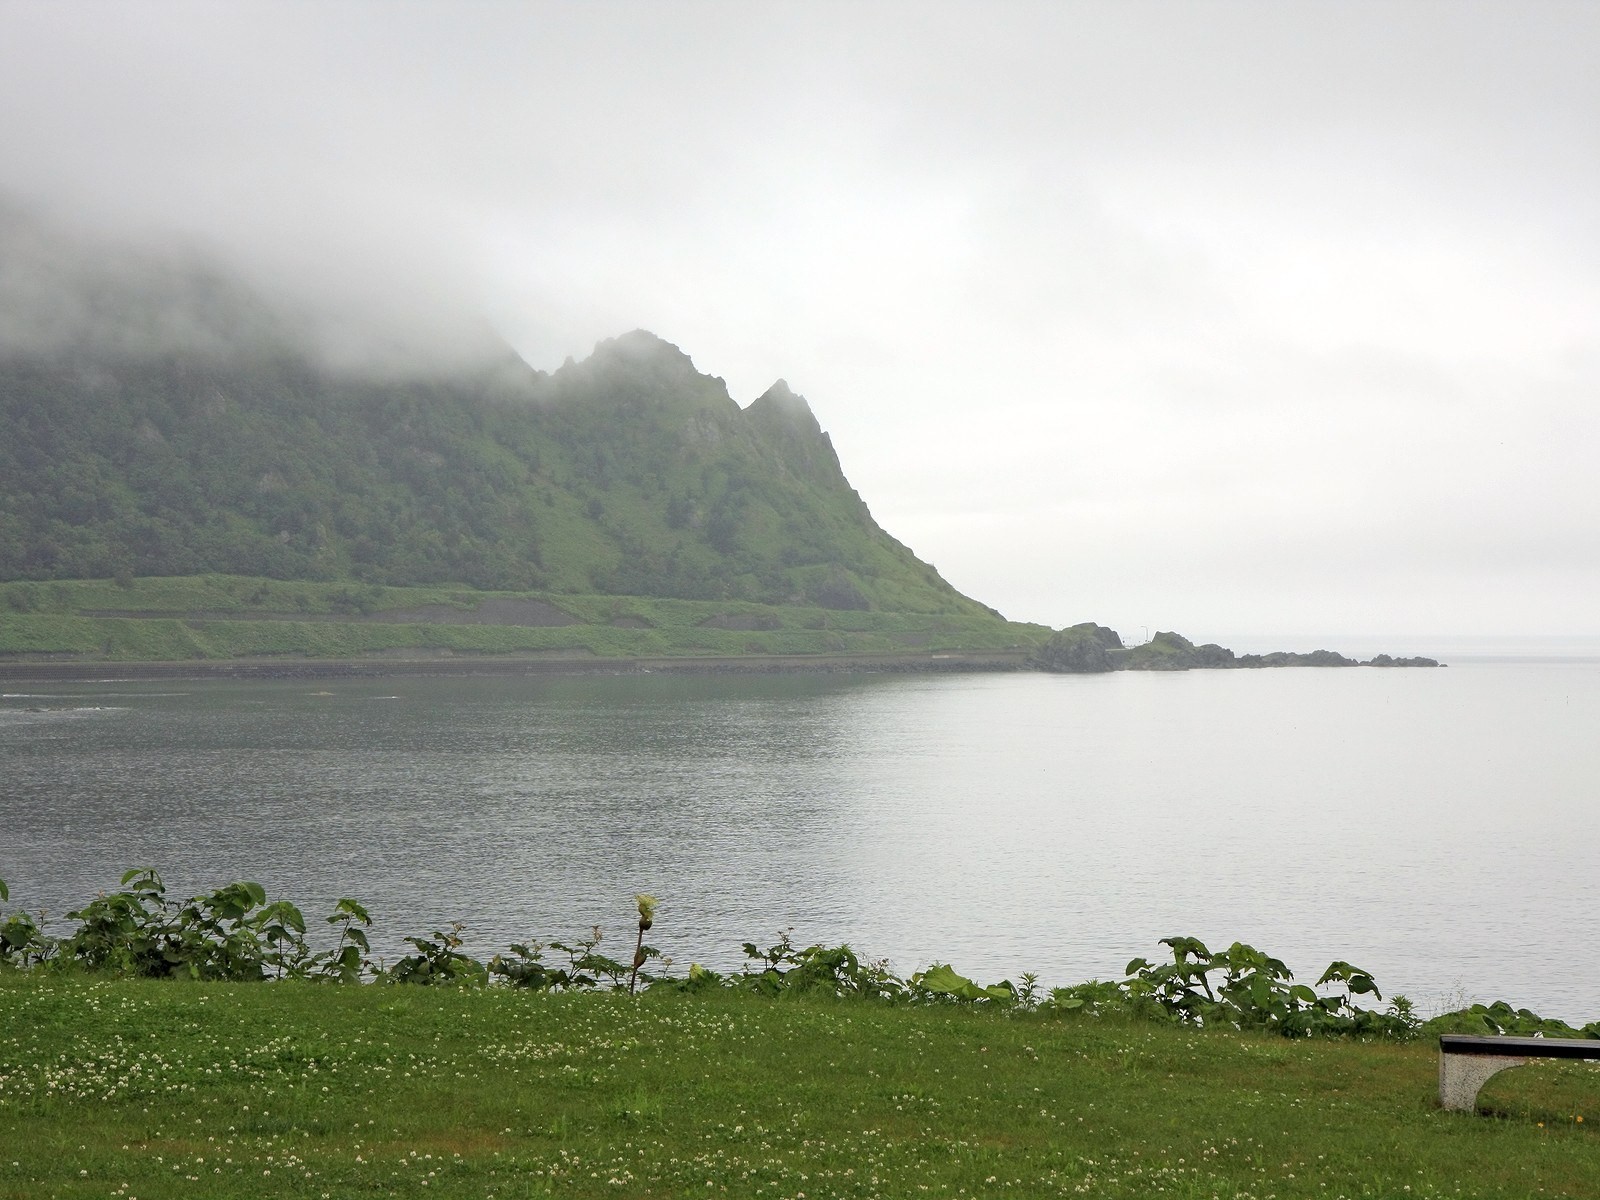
pixel 69 289
pixel 1210 317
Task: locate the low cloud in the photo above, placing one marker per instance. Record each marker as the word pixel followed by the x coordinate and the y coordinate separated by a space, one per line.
pixel 69 289
pixel 1061 280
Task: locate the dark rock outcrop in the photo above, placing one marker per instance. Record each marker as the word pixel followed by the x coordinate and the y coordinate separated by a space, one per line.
pixel 1091 649
pixel 1078 650
pixel 1173 652
pixel 1289 658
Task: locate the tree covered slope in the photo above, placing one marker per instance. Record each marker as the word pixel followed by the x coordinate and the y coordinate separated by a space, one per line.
pixel 628 473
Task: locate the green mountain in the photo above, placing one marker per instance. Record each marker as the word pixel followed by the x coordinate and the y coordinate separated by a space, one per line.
pixel 630 473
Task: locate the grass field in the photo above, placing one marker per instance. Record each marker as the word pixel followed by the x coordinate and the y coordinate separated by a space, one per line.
pixel 154 1089
pixel 214 617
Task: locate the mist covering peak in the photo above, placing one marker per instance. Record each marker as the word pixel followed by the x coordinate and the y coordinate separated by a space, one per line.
pixel 65 292
pixel 641 343
pixel 70 291
pixel 165 416
pixel 641 371
pixel 783 401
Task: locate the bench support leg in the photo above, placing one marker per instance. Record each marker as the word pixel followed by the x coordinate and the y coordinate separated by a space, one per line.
pixel 1461 1075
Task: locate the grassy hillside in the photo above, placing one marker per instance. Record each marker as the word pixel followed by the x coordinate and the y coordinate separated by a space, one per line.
pixel 157 1089
pixel 224 617
pixel 628 474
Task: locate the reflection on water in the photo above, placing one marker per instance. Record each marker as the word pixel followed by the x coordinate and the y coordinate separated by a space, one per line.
pixel 1417 822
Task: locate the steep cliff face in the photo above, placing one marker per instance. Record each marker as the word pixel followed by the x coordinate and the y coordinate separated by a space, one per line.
pixel 1083 649
pixel 629 472
pixel 783 421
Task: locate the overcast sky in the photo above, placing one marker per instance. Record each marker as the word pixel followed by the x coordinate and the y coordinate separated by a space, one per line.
pixel 1276 318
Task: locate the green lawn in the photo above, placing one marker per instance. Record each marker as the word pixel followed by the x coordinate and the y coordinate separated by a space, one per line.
pixel 150 1089
pixel 217 617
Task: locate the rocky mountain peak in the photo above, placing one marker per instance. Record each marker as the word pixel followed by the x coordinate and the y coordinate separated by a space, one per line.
pixel 642 345
pixel 640 369
pixel 782 401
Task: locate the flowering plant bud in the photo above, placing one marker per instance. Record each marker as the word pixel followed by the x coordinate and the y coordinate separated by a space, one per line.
pixel 647 909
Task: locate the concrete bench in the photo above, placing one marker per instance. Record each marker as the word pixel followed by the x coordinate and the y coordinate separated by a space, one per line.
pixel 1467 1062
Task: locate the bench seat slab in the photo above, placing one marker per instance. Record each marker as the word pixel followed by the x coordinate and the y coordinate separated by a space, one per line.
pixel 1513 1047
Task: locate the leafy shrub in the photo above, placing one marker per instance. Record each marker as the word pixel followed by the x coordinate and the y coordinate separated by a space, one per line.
pixel 1256 991
pixel 22 943
pixel 230 934
pixel 438 960
pixel 835 970
pixel 234 933
pixel 1098 998
pixel 1500 1018
pixel 347 962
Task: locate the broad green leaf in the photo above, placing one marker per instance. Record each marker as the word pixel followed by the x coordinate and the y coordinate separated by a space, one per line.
pixel 942 978
pixel 351 908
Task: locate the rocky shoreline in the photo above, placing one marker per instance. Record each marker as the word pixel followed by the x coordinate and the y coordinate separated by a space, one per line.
pixel 1090 649
pixel 81 671
pixel 1085 649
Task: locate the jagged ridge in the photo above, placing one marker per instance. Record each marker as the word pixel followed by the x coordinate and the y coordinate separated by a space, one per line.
pixel 628 473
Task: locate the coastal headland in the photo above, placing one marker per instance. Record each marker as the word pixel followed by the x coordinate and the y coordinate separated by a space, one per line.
pixel 245 627
pixel 251 511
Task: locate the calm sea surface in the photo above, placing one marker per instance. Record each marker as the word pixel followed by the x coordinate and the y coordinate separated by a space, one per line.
pixel 1435 827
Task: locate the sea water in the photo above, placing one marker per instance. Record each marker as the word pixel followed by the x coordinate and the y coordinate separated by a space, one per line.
pixel 1435 827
